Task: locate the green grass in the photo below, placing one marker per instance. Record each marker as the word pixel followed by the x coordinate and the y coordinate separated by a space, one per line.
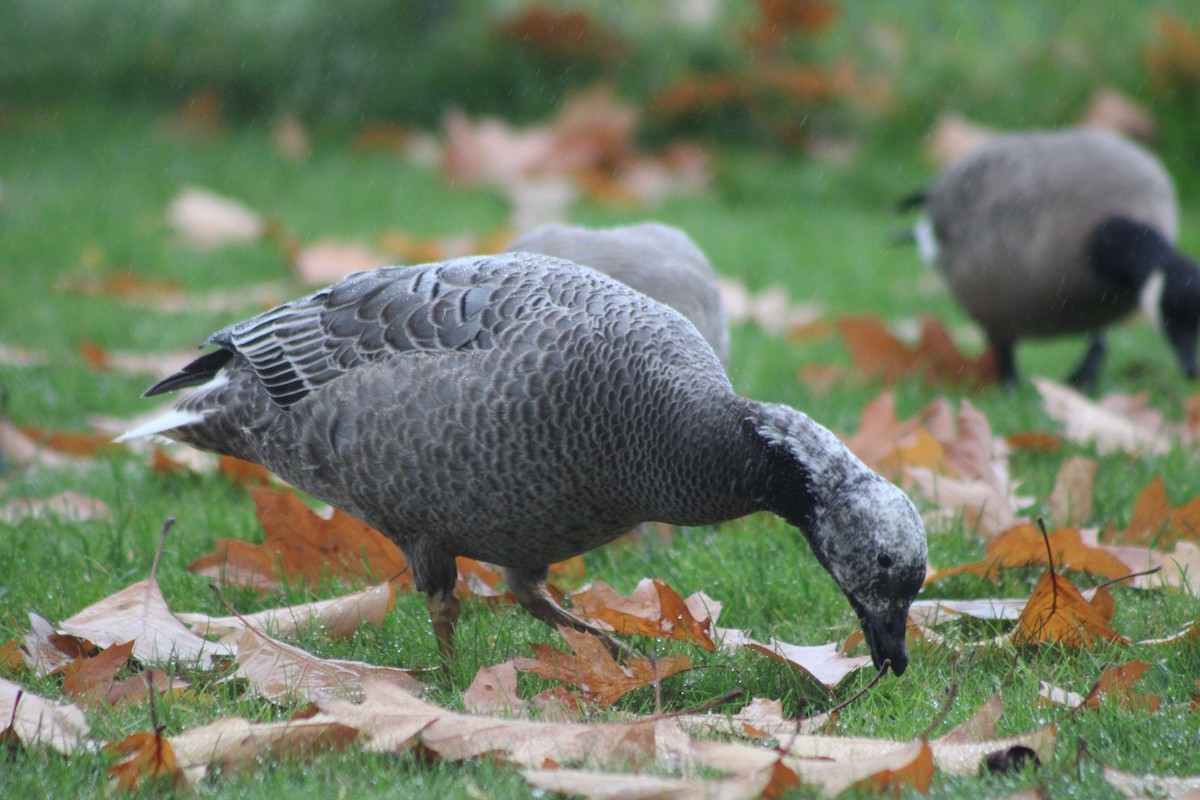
pixel 86 189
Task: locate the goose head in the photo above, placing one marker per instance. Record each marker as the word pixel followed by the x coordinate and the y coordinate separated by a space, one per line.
pixel 863 529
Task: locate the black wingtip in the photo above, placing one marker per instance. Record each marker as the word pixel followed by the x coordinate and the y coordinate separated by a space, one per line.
pixel 196 373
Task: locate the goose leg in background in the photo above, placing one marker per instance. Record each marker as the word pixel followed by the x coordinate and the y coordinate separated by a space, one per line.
pixel 1006 362
pixel 1088 371
pixel 529 587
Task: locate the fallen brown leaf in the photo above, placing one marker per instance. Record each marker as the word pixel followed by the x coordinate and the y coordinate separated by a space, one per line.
pixel 601 680
pixel 65 505
pixel 282 672
pixel 652 609
pixel 38 721
pixel 1115 424
pixel 337 618
pixel 1057 613
pixel 760 718
pixel 494 691
pixel 329 261
pixel 1071 497
pixel 1179 787
pixel 205 219
pixel 824 663
pixel 139 613
pixel 147 756
pixel 1115 685
pixel 233 744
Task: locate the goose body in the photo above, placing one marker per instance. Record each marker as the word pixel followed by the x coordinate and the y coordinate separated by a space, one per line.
pixel 1042 234
pixel 522 409
pixel 656 259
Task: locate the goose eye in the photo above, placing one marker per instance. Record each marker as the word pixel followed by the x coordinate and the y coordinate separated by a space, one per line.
pixel 884 560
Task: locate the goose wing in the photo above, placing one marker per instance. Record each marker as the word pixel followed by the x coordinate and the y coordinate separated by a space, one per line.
pixel 454 306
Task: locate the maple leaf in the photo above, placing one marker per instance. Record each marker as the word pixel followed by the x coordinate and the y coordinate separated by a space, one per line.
pixel 234 744
pixel 1023 545
pixel 395 721
pixel 1115 685
pixel 1184 787
pixel 1071 498
pixel 329 261
pixel 65 505
pixel 1154 519
pixel 282 672
pixel 303 545
pixel 140 613
pixel 1115 424
pixel 146 756
pixel 760 718
pixel 1057 613
pixel 833 764
pixel 494 691
pixel 602 680
pixel 89 679
pixel 824 663
pixel 652 609
pixel 338 618
pixel 205 219
pixel 877 352
pixel 35 720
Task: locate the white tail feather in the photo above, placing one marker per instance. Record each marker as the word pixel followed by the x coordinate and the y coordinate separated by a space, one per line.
pixel 168 421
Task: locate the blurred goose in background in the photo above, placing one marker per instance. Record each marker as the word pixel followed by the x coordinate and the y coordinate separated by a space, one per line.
pixel 1043 234
pixel 658 260
pixel 522 409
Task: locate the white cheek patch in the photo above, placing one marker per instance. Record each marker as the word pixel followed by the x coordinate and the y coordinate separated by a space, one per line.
pixel 1150 298
pixel 927 243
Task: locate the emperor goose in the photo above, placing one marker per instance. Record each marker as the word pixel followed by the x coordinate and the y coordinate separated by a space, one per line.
pixel 521 409
pixel 658 260
pixel 1042 234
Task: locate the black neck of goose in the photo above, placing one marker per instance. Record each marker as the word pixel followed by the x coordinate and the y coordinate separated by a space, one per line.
pixel 1126 252
pixel 789 490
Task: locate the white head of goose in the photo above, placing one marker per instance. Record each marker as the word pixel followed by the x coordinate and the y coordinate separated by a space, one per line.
pixel 656 259
pixel 1042 234
pixel 521 409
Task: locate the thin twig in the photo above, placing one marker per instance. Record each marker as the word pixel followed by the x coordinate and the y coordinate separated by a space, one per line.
pixel 941 716
pixel 1144 572
pixel 883 668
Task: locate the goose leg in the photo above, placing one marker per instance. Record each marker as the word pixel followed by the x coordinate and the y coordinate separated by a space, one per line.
pixel 444 609
pixel 1006 362
pixel 1088 371
pixel 529 587
pixel 435 573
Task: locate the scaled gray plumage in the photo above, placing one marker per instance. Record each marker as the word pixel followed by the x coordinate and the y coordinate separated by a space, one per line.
pixel 658 260
pixel 1048 233
pixel 521 409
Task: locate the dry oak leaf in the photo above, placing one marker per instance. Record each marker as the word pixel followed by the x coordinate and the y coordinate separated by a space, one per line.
pixel 147 756
pixel 652 609
pixel 824 663
pixel 139 613
pixel 393 720
pixel 338 618
pixel 1115 424
pixel 36 720
pixel 601 680
pixel 205 219
pixel 233 743
pixel 282 672
pixel 1057 613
